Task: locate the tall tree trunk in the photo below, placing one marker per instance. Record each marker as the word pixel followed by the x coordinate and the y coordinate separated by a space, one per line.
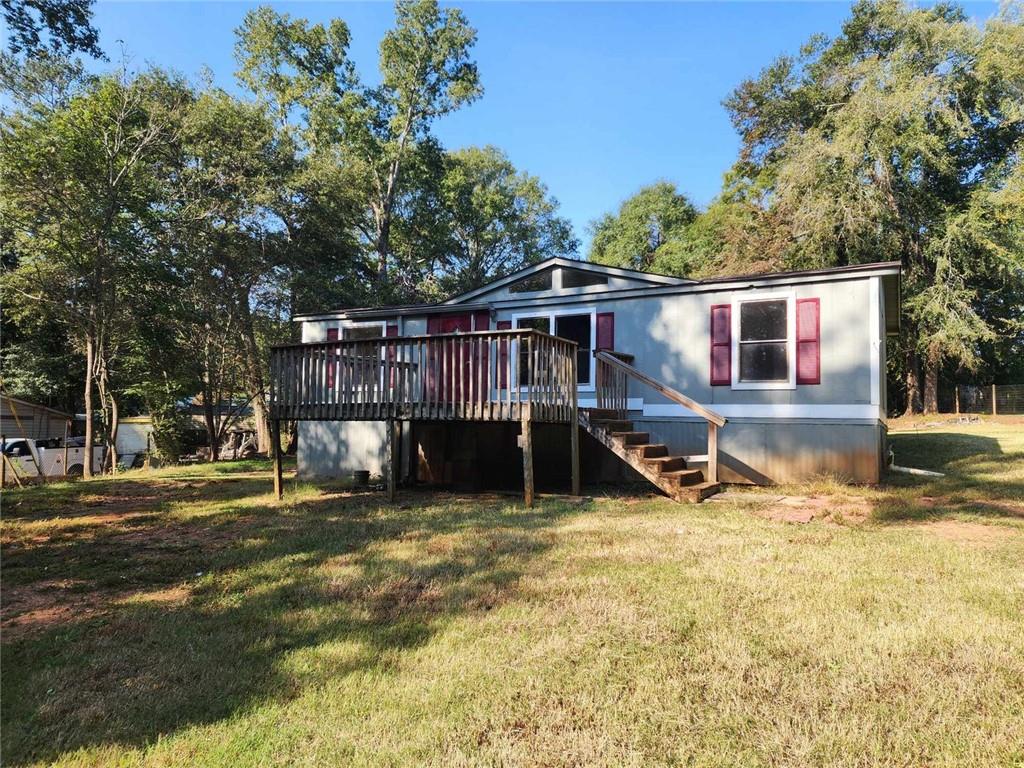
pixel 913 385
pixel 89 356
pixel 931 385
pixel 254 376
pixel 383 246
pixel 212 432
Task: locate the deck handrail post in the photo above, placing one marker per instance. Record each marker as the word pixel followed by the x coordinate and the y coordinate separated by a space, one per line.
pixel 712 452
pixel 995 410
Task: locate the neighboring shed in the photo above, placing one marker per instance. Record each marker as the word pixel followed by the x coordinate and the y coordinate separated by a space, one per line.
pixel 20 418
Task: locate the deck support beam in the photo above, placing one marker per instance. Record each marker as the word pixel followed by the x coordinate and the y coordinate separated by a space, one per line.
pixel 574 430
pixel 275 447
pixel 526 439
pixel 394 438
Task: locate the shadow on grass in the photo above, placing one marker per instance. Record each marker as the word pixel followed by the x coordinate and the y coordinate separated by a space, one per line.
pixel 346 582
pixel 980 478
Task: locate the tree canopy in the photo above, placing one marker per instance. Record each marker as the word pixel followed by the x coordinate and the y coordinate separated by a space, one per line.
pixel 157 234
pixel 647 233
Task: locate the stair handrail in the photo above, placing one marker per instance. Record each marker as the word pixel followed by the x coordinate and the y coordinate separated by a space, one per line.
pixel 615 359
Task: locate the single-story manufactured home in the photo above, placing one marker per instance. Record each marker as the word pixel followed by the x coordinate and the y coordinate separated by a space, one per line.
pixel 572 369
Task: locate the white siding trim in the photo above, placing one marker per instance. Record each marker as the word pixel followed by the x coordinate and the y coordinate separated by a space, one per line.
pixel 769 411
pixel 875 339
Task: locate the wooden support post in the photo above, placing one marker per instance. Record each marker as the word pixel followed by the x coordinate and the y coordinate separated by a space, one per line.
pixel 3 463
pixel 712 453
pixel 526 439
pixel 995 410
pixel 574 427
pixel 957 390
pixel 392 439
pixel 275 445
pixel 67 433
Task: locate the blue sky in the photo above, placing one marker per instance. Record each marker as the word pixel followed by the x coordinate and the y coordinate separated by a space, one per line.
pixel 597 99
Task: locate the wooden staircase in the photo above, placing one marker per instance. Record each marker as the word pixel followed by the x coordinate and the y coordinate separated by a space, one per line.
pixel 652 460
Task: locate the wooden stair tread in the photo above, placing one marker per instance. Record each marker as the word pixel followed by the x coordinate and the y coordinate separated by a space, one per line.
pixel 685 476
pixel 632 438
pixel 652 460
pixel 649 450
pixel 697 493
pixel 666 464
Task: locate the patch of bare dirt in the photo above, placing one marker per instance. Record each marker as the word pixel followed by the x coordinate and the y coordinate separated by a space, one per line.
pixel 40 606
pixel 804 509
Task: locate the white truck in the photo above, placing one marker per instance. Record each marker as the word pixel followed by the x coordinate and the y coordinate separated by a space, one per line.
pixel 31 458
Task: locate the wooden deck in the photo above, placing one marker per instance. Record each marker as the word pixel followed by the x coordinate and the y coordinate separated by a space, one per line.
pixel 483 376
pixel 516 375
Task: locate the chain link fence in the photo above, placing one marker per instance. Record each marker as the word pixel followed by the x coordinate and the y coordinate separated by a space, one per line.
pixel 1005 399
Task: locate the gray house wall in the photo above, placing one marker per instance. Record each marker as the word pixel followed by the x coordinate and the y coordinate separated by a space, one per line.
pixel 772 435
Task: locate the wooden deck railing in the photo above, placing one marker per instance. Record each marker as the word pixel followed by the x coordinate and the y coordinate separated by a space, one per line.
pixel 482 376
pixel 614 370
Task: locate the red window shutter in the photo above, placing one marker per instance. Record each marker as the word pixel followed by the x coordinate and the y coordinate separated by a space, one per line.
pixel 606 330
pixel 808 341
pixel 482 321
pixel 721 345
pixel 503 325
pixel 391 330
pixel 433 324
pixel 332 335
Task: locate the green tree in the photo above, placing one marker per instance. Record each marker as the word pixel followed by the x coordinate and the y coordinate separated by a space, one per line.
pixel 897 140
pixel 498 220
pixel 77 184
pixel 234 171
pixel 647 233
pixel 60 27
pixel 370 133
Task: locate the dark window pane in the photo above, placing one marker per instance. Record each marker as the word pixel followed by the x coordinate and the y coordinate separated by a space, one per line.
pixel 577 278
pixel 574 328
pixel 761 320
pixel 583 366
pixel 360 332
pixel 763 362
pixel 577 328
pixel 539 282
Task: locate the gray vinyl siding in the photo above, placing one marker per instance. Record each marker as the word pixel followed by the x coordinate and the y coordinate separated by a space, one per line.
pixel 339 448
pixel 669 336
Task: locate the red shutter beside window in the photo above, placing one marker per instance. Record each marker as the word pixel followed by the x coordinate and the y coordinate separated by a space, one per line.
pixel 482 321
pixel 606 330
pixel 503 325
pixel 808 341
pixel 721 345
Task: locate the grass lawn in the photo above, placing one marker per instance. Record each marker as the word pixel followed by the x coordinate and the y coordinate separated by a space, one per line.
pixel 186 617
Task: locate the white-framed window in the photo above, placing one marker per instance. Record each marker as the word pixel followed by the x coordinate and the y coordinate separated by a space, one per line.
pixel 579 325
pixel 352 331
pixel 764 341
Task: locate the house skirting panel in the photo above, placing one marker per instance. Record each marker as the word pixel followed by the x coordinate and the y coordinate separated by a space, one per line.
pixel 760 451
pixel 768 451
